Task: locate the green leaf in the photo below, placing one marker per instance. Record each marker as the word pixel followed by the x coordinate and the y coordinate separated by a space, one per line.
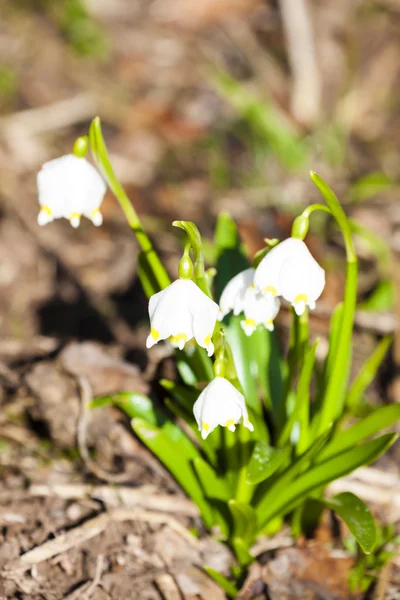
pixel 300 412
pixel 358 518
pixel 216 492
pixel 266 119
pixel 134 405
pixel 245 520
pixel 213 486
pixel 242 551
pixel 176 460
pixel 265 461
pixel 297 490
pixel 370 185
pixel 367 373
pixel 231 256
pixel 381 299
pixel 222 581
pixel 381 418
pixel 243 350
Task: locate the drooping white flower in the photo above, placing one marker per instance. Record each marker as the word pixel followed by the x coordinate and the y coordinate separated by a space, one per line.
pixel 240 295
pixel 289 270
pixel 70 187
pixel 181 312
pixel 259 310
pixel 220 403
pixel 234 293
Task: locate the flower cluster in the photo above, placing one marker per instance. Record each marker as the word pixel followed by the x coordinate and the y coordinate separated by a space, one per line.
pixel 288 270
pixel 70 187
pixel 182 313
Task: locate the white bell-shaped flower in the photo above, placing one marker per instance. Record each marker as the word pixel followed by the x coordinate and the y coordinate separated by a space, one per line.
pixel 181 312
pixel 259 310
pixel 70 187
pixel 220 403
pixel 289 270
pixel 302 282
pixel 234 293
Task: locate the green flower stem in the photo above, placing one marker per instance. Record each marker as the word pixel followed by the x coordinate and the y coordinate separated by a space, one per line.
pixel 334 396
pixel 244 490
pixel 102 160
pixel 298 347
pixel 197 247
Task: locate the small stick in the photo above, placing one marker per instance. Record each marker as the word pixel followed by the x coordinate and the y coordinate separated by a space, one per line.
pixel 88 530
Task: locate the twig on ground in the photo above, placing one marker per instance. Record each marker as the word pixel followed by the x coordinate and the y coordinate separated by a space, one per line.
pixel 88 530
pixel 146 496
pixel 86 398
pixel 97 578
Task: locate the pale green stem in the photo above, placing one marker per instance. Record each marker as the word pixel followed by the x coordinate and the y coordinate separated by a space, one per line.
pixel 102 160
pixel 334 396
pixel 244 490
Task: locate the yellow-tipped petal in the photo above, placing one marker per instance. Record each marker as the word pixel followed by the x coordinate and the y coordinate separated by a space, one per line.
pixel 75 219
pixel 271 290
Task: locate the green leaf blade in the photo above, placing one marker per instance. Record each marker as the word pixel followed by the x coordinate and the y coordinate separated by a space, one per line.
pixel 358 518
pixel 265 461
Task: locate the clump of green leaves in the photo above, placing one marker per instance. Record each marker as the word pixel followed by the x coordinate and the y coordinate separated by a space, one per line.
pixel 246 483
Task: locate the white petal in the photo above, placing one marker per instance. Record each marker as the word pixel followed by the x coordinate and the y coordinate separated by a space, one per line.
pixel 44 217
pixel 96 218
pixel 248 326
pixel 267 275
pixel 70 186
pixel 261 309
pixel 204 312
pixel 170 311
pixel 233 294
pixel 302 281
pixel 220 403
pixel 75 221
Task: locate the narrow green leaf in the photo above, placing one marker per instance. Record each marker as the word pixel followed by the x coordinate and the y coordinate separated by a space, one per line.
pixel 216 491
pixel 245 362
pixel 176 461
pixel 222 581
pixel 245 520
pixel 265 461
pixel 134 405
pixel 273 504
pixel 266 119
pixel 370 185
pixel 300 412
pixel 367 373
pixel 231 256
pixel 381 418
pixel 358 518
pixel 213 486
pixel 381 298
pixel 293 471
pixel 242 552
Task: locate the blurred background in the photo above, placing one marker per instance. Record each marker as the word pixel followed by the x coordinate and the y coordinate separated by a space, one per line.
pixel 206 105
